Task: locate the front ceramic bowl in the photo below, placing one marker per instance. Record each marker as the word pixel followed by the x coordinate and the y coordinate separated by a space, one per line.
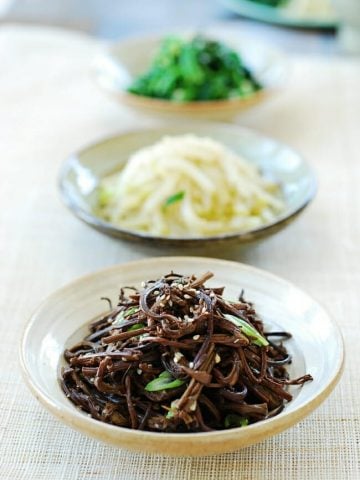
pixel 121 62
pixel 61 320
pixel 82 172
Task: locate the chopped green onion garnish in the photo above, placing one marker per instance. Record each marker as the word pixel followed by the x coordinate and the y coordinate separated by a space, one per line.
pixel 177 197
pixel 130 311
pixel 136 326
pixel 173 409
pixel 163 382
pixel 120 318
pixel 233 420
pixel 248 330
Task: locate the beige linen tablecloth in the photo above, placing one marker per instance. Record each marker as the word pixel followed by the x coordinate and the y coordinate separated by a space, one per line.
pixel 49 107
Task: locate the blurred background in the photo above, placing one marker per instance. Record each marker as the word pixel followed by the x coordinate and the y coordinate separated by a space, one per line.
pixel 113 19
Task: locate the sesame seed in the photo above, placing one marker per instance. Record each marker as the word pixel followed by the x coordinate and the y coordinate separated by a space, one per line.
pixel 143 284
pixel 170 303
pixel 177 356
pixel 192 406
pixel 191 364
pixel 187 297
pixel 237 340
pixel 139 371
pixel 181 286
pixel 196 337
pixel 217 358
pixel 124 359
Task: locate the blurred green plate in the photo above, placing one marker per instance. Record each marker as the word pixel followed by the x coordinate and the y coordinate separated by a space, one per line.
pixel 286 15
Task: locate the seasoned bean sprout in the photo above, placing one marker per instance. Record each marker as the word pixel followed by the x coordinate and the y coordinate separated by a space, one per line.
pixel 189 186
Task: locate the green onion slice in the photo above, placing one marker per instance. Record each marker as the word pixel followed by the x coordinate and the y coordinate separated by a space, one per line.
pixel 173 409
pixel 248 330
pixel 163 382
pixel 233 420
pixel 177 197
pixel 136 326
pixel 131 311
pixel 120 318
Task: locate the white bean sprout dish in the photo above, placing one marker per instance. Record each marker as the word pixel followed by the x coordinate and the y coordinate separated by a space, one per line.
pixel 188 186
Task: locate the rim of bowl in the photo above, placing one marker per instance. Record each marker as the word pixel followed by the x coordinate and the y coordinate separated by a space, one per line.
pixel 194 106
pixel 272 425
pixel 117 231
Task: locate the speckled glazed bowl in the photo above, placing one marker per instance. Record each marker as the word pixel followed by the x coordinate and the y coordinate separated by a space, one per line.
pixel 81 173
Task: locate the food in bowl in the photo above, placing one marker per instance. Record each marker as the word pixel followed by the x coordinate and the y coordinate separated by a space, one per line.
pixel 188 186
pixel 271 3
pixel 198 69
pixel 177 356
pixel 302 8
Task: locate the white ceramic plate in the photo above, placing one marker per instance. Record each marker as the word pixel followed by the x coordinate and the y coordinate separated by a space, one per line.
pixel 317 348
pixel 120 62
pixel 82 172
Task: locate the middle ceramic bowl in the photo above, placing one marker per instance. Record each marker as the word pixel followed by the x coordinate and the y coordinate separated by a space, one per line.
pixel 82 172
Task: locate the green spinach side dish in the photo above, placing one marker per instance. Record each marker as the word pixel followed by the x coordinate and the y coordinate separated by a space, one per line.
pixel 271 3
pixel 195 70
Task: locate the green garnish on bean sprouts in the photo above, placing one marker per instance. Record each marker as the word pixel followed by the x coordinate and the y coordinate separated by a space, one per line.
pixel 177 197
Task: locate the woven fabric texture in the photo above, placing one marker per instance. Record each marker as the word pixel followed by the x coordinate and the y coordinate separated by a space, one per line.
pixel 50 106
